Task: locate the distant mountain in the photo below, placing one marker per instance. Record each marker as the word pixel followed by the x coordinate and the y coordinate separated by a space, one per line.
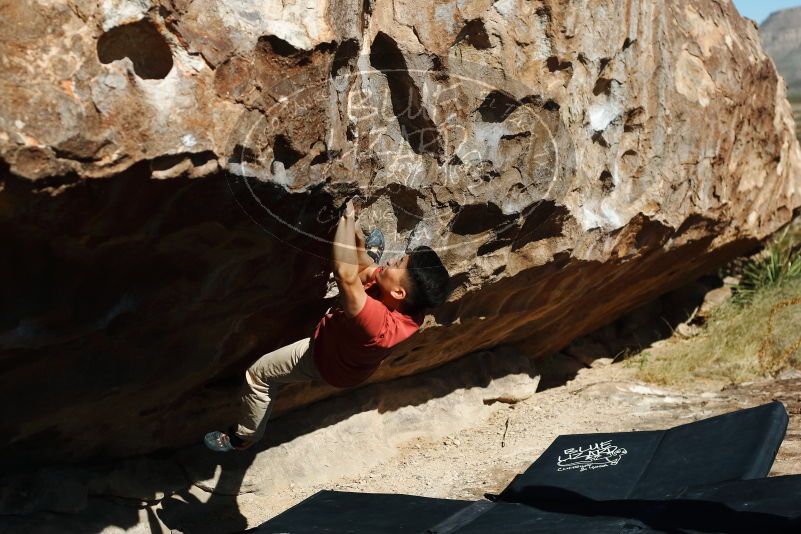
pixel 781 37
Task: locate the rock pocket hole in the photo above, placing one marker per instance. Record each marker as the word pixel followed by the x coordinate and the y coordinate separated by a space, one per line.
pixel 283 152
pixel 279 46
pixel 598 138
pixel 142 43
pixel 497 106
pixel 542 220
pixel 346 52
pixel 474 34
pixel 602 85
pixel 474 219
pixel 551 105
pixel 416 125
pixel 607 182
pixel 555 64
pixel 324 157
pixel 632 119
pixel 243 154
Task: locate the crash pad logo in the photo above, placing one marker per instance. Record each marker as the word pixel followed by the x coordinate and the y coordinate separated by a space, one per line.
pixel 596 456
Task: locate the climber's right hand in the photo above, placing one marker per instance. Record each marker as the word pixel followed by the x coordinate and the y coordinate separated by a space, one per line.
pixel 361 240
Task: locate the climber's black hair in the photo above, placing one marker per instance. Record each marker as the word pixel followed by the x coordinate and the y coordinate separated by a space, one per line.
pixel 429 281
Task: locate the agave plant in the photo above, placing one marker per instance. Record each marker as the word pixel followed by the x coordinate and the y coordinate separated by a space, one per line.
pixel 778 263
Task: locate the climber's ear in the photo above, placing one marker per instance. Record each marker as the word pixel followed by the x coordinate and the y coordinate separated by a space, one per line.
pixel 399 293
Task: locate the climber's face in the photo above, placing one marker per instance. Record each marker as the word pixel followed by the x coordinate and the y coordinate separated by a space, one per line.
pixel 392 278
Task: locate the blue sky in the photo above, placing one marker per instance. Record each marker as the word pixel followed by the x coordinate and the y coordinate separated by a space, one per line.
pixel 760 9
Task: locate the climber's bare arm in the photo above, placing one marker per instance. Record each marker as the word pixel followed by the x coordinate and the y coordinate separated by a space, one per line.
pixel 346 264
pixel 366 264
pixel 366 274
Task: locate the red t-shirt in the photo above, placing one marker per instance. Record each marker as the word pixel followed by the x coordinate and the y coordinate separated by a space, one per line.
pixel 347 350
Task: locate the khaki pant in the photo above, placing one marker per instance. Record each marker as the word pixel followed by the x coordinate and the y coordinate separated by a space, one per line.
pixel 292 363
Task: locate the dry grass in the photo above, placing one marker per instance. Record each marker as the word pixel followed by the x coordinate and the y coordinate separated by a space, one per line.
pixel 740 342
pixel 728 347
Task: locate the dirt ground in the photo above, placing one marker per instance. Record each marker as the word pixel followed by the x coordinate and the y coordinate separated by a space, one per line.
pixel 486 454
pixel 460 431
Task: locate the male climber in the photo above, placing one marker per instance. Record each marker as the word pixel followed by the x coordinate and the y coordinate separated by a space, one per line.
pixel 378 308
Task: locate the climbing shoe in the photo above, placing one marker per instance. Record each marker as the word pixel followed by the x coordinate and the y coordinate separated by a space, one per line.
pixel 223 442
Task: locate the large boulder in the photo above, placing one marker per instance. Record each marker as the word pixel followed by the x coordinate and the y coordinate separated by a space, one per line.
pixel 170 172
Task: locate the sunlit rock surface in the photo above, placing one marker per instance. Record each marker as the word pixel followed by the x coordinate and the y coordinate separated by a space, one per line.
pixel 170 172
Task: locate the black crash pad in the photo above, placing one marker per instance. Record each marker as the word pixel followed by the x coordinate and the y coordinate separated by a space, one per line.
pixel 345 512
pixel 657 464
pixel 767 505
pixel 699 477
pixel 375 513
pixel 762 505
pixel 747 506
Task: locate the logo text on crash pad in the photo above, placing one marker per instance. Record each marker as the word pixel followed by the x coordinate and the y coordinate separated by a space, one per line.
pixel 595 456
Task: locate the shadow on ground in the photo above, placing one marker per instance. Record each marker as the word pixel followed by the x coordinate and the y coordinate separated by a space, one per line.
pixel 195 491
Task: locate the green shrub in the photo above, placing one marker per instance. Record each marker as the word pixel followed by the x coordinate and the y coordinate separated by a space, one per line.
pixel 777 264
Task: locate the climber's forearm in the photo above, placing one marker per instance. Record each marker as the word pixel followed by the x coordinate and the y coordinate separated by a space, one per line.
pixel 364 259
pixel 345 255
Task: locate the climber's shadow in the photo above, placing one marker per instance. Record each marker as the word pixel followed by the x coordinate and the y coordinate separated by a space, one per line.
pixel 209 505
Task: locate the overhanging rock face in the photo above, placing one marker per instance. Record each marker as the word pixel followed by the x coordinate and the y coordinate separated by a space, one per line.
pixel 170 173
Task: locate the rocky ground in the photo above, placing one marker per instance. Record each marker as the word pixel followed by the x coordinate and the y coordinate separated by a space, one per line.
pixel 485 455
pixel 460 431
